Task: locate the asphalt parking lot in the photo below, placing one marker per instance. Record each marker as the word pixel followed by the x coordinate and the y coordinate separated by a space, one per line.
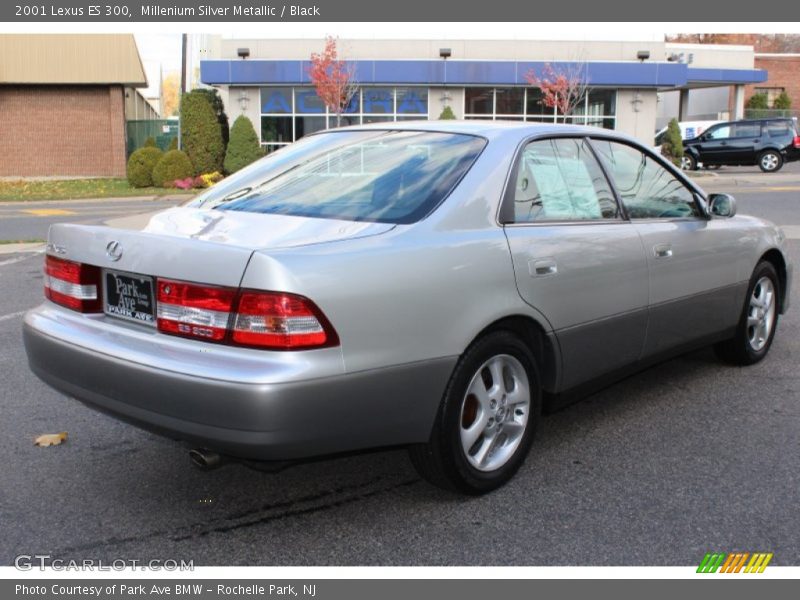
pixel 688 457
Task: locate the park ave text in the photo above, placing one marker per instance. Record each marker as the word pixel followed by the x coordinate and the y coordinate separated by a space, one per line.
pixel 176 589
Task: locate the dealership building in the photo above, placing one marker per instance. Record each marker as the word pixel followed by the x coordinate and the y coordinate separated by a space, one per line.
pixel 267 80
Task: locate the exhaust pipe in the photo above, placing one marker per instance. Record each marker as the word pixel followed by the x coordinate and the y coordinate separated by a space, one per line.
pixel 205 459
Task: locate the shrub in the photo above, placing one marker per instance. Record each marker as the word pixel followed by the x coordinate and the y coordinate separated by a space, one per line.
pixel 757 101
pixel 208 179
pixel 173 165
pixel 140 166
pixel 173 145
pixel 782 102
pixel 218 106
pixel 201 133
pixel 672 148
pixel 447 114
pixel 150 142
pixel 243 147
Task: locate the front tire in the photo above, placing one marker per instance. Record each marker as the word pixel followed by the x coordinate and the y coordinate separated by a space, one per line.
pixel 758 321
pixel 487 418
pixel 770 161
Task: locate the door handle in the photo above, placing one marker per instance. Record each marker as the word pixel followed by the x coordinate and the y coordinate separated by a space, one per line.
pixel 662 250
pixel 542 268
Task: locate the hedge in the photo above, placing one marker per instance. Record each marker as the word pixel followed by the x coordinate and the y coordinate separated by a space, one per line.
pixel 141 165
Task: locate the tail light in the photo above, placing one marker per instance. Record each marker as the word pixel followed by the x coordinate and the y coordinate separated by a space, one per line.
pixel 194 310
pixel 73 285
pixel 267 320
pixel 281 321
pixel 796 141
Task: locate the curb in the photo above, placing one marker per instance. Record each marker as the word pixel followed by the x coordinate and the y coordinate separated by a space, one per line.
pixel 21 248
pixel 168 197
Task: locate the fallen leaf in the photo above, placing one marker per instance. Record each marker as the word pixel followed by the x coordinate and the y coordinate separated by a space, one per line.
pixel 50 439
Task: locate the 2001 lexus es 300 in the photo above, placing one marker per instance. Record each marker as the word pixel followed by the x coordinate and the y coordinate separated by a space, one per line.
pixel 426 284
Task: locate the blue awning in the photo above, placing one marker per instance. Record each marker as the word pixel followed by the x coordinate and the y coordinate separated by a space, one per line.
pixel 659 75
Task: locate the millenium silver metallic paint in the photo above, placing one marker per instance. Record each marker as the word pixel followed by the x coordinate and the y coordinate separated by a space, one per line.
pixel 405 300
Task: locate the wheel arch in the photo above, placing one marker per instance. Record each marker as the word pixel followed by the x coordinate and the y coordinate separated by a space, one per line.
pixel 776 259
pixel 542 345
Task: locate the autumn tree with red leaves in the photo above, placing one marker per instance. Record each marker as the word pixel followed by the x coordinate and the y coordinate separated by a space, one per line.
pixel 563 88
pixel 333 79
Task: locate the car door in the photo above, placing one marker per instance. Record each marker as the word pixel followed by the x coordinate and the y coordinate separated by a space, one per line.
pixel 713 146
pixel 745 142
pixel 695 287
pixel 576 259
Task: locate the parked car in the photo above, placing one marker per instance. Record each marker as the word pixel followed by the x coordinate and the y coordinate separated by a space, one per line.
pixel 768 143
pixel 689 130
pixel 428 284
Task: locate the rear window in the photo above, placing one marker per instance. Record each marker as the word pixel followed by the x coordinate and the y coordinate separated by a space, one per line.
pixel 389 177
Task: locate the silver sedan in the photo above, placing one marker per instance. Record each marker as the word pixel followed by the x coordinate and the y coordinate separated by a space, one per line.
pixel 433 285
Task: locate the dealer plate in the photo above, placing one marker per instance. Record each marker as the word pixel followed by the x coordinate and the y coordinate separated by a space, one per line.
pixel 129 296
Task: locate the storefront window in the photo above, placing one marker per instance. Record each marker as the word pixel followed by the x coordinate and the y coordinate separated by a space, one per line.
pixel 287 114
pixel 598 107
pixel 479 101
pixel 509 101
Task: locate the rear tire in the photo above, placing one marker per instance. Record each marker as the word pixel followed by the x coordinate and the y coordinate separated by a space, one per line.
pixel 487 418
pixel 770 161
pixel 758 321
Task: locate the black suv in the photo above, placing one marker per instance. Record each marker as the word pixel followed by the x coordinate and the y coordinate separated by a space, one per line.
pixel 767 143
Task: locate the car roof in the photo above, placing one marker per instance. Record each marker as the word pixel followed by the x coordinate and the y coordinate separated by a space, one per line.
pixel 485 128
pixel 762 120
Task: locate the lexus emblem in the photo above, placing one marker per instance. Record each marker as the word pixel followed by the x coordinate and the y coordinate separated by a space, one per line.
pixel 114 250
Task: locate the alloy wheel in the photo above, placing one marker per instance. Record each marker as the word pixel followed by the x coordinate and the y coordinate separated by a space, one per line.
pixel 769 162
pixel 494 412
pixel 761 314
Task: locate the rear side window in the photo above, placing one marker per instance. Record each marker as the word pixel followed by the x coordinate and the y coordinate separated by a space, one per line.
pixel 394 177
pixel 744 130
pixel 779 128
pixel 560 180
pixel 647 189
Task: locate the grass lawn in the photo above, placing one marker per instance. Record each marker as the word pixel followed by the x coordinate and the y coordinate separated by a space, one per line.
pixel 28 241
pixel 68 189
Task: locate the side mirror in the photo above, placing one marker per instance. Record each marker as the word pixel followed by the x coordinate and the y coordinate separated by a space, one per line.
pixel 722 205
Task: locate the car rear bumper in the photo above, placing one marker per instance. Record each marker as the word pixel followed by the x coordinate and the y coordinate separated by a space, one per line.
pixel 241 416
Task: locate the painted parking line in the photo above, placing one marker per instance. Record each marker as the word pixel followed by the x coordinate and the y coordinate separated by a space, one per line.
pixel 792 232
pixel 12 315
pixel 48 212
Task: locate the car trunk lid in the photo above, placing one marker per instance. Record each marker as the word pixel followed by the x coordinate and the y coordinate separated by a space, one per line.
pixel 208 246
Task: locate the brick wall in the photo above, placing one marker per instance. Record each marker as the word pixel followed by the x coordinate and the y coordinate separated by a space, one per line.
pixel 784 72
pixel 62 131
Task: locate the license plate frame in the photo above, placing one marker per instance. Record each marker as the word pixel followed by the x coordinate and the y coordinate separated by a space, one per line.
pixel 134 301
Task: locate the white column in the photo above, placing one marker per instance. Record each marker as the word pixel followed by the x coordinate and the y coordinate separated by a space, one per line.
pixel 683 108
pixel 738 102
